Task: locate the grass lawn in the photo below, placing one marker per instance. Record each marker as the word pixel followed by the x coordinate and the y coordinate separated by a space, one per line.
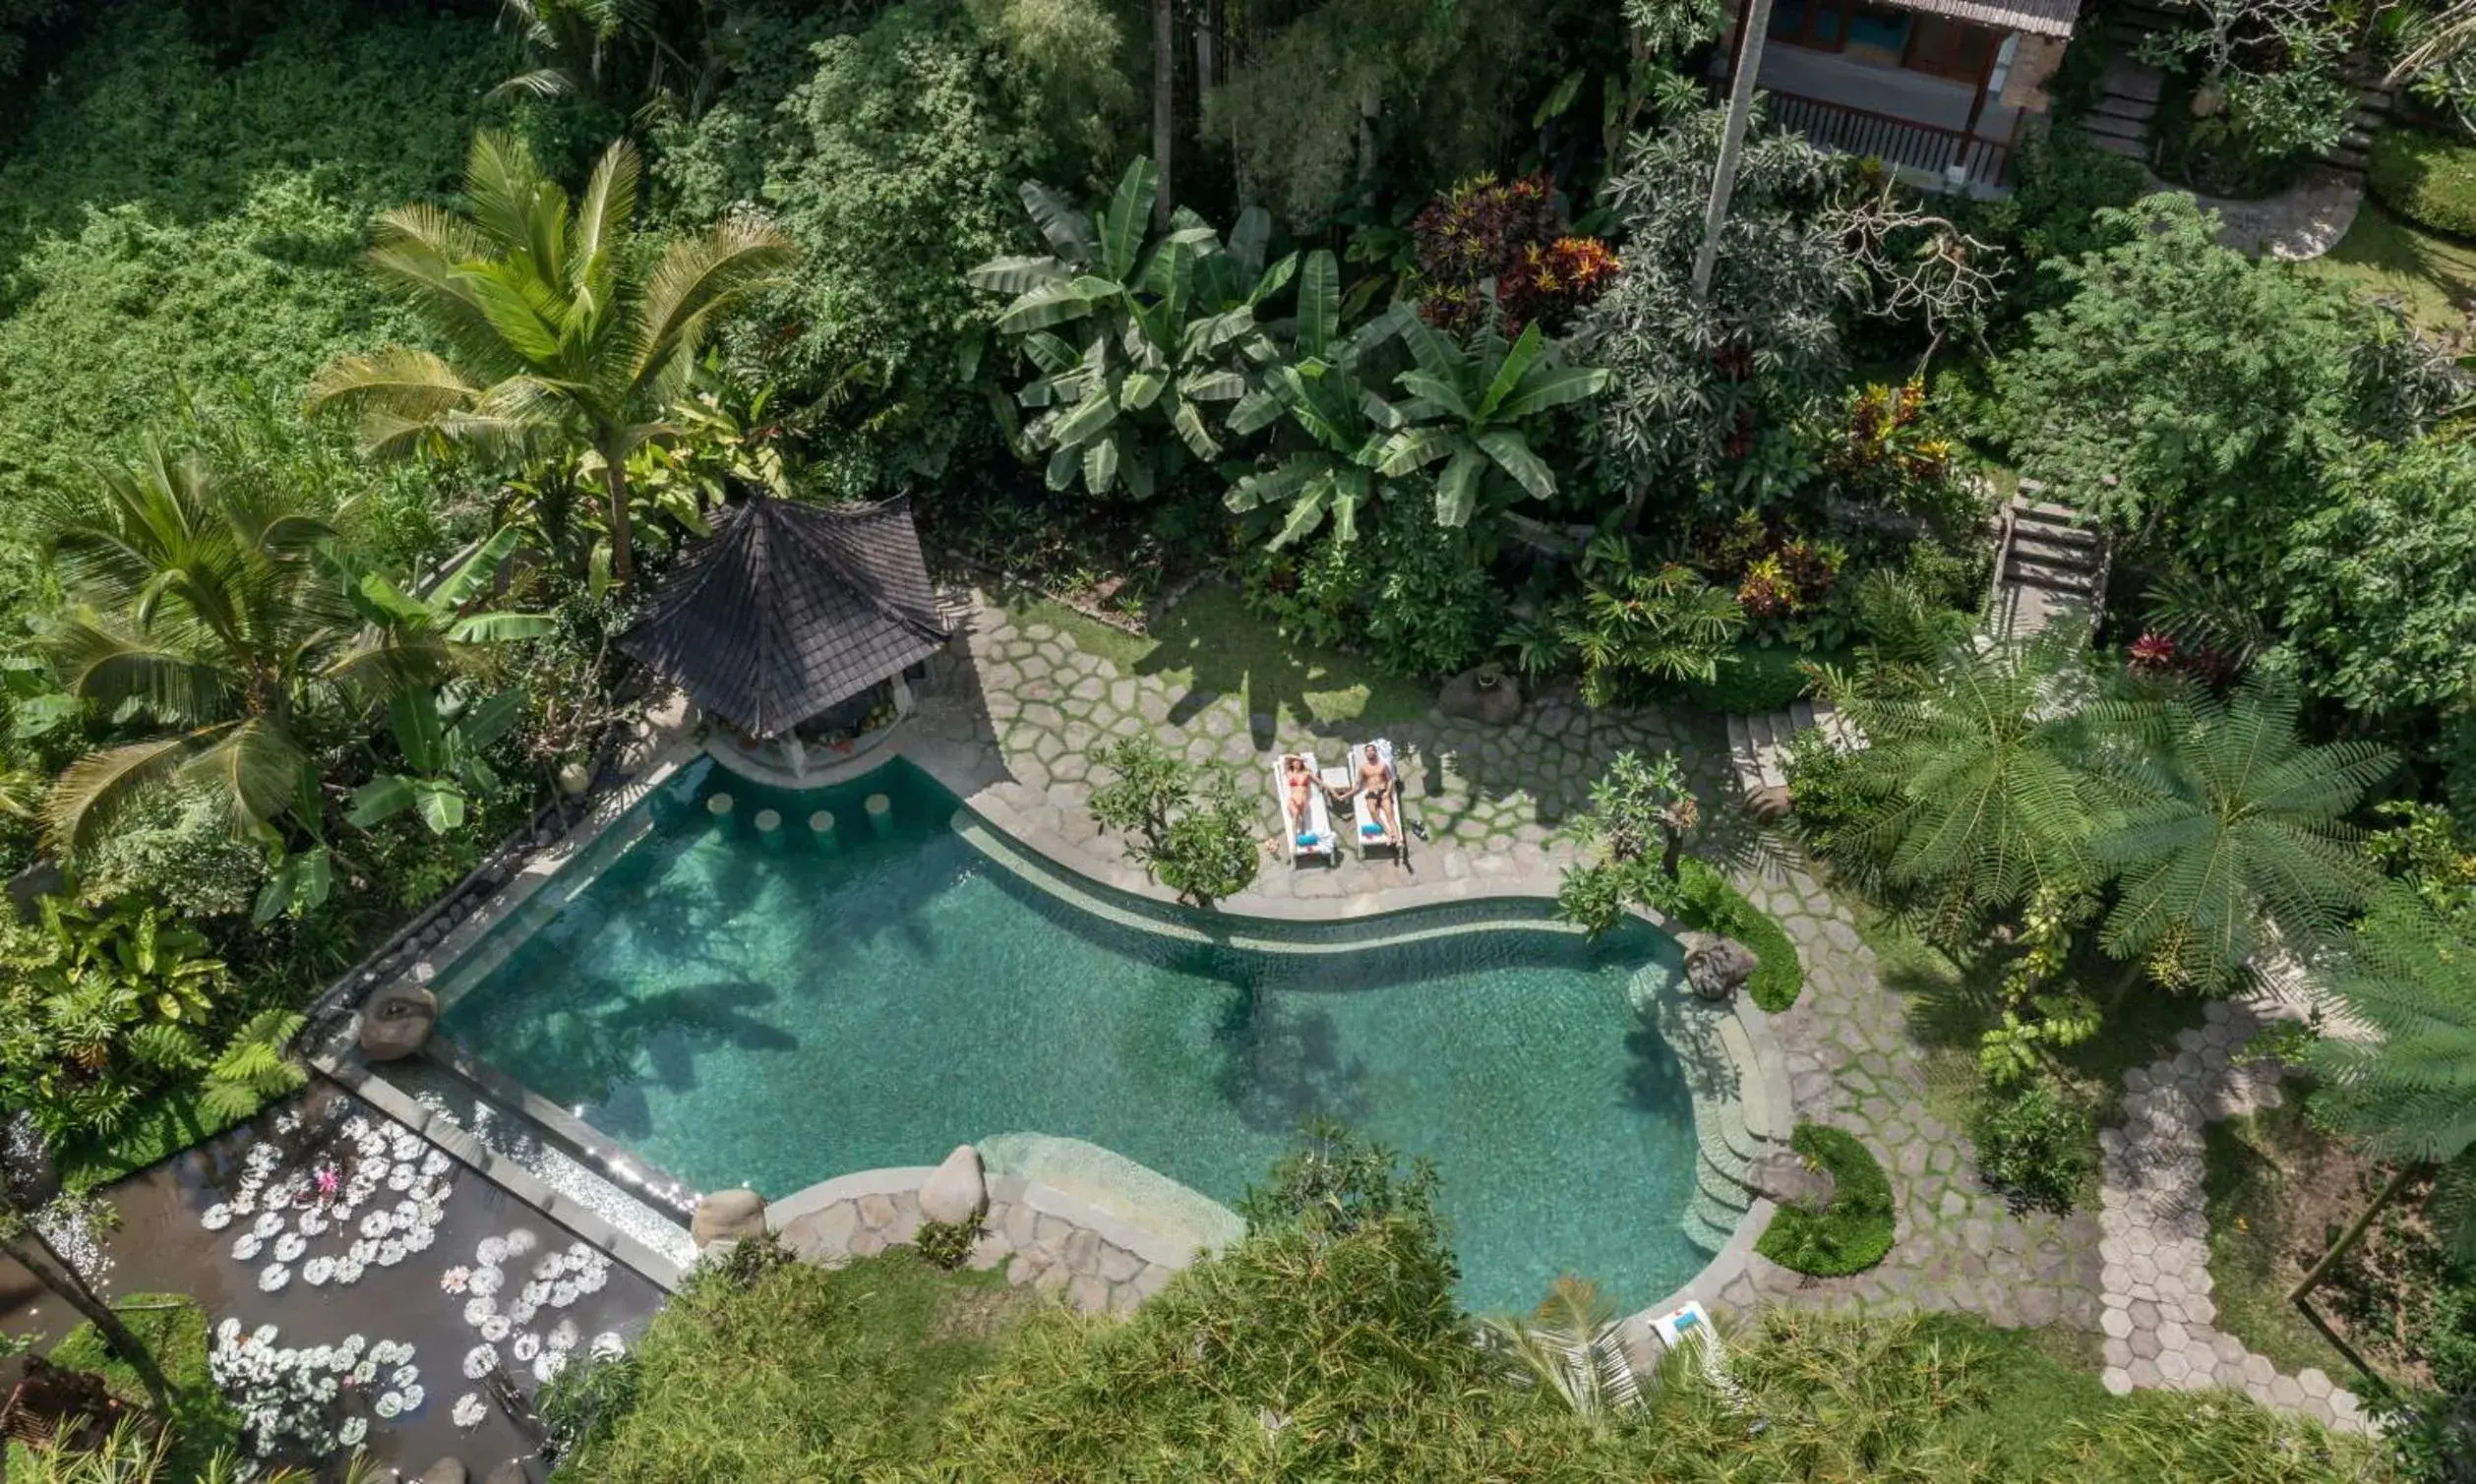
pixel 1208 642
pixel 174 1329
pixel 1949 1004
pixel 2260 1173
pixel 2382 255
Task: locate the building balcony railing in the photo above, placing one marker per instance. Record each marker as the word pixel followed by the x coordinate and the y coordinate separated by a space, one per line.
pixel 1949 155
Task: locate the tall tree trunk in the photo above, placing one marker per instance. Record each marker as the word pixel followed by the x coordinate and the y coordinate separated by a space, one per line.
pixel 2353 1235
pixel 21 1239
pixel 623 532
pixel 1164 104
pixel 1749 61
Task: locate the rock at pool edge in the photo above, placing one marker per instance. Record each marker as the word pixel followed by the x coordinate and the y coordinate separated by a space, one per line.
pixel 727 1215
pixel 957 1190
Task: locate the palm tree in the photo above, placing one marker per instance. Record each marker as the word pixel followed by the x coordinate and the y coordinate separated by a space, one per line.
pixel 2232 828
pixel 555 342
pixel 2408 1091
pixel 1573 1344
pixel 1978 759
pixel 198 606
pixel 210 610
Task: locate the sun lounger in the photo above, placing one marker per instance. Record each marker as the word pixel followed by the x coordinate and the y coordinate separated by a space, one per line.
pixel 1311 837
pixel 1370 830
pixel 1690 1325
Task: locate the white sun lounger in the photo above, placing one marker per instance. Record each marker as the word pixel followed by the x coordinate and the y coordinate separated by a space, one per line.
pixel 1313 837
pixel 1366 828
pixel 1690 1325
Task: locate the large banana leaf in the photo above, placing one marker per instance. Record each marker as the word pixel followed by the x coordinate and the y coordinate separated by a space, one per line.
pixel 1510 371
pixel 1554 388
pixel 1068 230
pixel 1122 221
pixel 1320 303
pixel 1456 487
pixel 1511 453
pixel 1050 304
pixel 1017 275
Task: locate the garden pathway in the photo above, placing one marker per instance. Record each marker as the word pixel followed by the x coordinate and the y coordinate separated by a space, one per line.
pixel 1032 705
pixel 2159 1318
pixel 1853 1064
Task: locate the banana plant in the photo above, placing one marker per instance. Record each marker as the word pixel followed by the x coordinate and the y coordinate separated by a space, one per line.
pixel 1322 394
pixel 1474 408
pixel 1131 340
pixel 447 750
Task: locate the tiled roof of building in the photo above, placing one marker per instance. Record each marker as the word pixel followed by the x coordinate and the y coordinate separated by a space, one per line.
pixel 2040 18
pixel 788 609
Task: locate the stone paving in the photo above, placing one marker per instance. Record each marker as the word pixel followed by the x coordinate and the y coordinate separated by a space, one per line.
pixel 1958 1246
pixel 2160 1318
pixel 1047 1250
pixel 1491 801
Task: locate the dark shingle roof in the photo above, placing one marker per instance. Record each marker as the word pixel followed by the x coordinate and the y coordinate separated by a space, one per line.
pixel 788 609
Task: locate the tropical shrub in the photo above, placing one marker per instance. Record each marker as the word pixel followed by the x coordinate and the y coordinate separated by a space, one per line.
pixel 1852 1232
pixel 2428 178
pixel 1194 830
pixel 1752 680
pixel 1489 248
pixel 2377 593
pixel 2064 180
pixel 1133 340
pixel 2193 399
pixel 1633 628
pixel 1431 608
pixel 101 1008
pixel 1477 407
pixel 177 847
pixel 889 147
pixel 2035 1146
pixel 785 1370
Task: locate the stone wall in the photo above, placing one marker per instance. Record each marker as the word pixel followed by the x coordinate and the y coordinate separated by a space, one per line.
pixel 1041 1236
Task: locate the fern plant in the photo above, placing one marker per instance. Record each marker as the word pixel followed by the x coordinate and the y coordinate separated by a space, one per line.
pixel 2409 1092
pixel 2232 828
pixel 1976 776
pixel 1634 626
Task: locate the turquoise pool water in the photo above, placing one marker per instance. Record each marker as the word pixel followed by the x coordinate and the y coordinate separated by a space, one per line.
pixel 776 1013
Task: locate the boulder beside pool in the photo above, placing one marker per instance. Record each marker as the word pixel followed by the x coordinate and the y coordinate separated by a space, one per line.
pixel 395 1020
pixel 1717 966
pixel 957 1190
pixel 727 1215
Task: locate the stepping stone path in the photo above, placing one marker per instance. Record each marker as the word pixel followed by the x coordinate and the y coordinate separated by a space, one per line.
pixel 2159 1320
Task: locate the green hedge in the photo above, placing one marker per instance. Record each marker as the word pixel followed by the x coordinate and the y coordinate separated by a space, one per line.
pixel 1850 1235
pixel 1704 900
pixel 1753 678
pixel 2426 178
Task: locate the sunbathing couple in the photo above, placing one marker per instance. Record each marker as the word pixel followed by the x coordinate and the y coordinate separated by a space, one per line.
pixel 1375 785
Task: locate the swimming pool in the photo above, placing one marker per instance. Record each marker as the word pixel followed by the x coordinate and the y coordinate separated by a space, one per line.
pixel 757 1007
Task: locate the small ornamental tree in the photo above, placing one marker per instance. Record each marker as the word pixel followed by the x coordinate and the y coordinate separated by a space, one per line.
pixel 1192 830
